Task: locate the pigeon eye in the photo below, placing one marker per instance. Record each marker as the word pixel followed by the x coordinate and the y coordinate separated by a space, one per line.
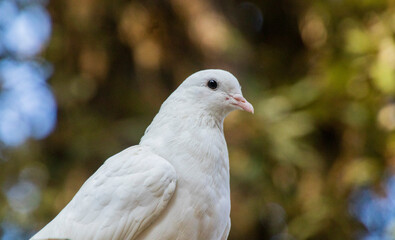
pixel 212 84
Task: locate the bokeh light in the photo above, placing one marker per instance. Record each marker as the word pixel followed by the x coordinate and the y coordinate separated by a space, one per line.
pixel 27 105
pixel 376 210
pixel 23 197
pixel 29 30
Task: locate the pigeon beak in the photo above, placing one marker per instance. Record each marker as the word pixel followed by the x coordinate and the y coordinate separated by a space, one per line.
pixel 242 103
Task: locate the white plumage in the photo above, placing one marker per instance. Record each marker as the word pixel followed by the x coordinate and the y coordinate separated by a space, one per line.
pixel 174 184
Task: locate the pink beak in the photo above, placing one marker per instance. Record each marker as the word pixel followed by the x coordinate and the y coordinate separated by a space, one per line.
pixel 241 102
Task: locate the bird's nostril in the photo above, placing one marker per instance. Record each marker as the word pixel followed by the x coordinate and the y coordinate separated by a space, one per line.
pixel 239 99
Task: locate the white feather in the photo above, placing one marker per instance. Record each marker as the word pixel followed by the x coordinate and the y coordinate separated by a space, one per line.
pixel 173 185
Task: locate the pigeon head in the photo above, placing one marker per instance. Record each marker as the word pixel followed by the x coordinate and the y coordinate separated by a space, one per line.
pixel 204 99
pixel 216 91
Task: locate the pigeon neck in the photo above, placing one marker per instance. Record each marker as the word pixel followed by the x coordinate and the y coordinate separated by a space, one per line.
pixel 178 115
pixel 183 109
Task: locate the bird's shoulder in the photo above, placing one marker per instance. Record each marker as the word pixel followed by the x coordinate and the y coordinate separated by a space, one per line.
pixel 129 177
pixel 123 197
pixel 134 160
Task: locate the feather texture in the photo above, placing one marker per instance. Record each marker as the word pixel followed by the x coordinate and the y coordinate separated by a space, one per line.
pixel 174 184
pixel 125 195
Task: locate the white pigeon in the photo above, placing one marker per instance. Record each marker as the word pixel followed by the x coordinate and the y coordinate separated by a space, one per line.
pixel 174 184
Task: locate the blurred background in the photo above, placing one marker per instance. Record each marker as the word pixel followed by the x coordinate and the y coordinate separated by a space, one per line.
pixel 80 80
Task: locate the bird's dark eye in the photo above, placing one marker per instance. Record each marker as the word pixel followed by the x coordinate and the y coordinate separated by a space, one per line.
pixel 212 84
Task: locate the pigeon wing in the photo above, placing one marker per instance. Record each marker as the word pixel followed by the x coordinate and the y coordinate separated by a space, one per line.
pixel 123 197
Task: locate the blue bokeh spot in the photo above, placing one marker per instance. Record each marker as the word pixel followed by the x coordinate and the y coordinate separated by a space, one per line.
pixel 27 104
